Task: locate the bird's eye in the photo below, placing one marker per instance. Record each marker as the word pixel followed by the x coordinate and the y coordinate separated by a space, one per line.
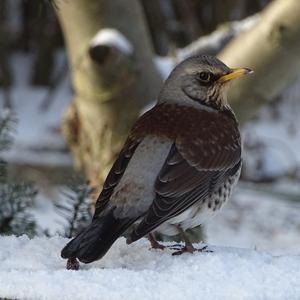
pixel 204 76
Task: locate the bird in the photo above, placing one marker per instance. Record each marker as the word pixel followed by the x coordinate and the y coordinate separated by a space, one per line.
pixel 177 168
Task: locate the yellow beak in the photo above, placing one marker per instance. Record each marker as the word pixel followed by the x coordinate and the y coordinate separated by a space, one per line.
pixel 235 73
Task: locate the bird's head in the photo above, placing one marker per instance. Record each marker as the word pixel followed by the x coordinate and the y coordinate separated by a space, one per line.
pixel 200 81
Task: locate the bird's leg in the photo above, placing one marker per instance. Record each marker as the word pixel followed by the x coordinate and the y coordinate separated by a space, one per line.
pixel 188 245
pixel 72 264
pixel 154 243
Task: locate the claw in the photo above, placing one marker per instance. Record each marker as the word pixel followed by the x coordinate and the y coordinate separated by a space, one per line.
pixel 191 249
pixel 175 247
pixel 185 249
pixel 204 249
pixel 154 243
pixel 157 246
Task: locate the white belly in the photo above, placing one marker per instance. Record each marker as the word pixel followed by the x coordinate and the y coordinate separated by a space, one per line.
pixel 190 218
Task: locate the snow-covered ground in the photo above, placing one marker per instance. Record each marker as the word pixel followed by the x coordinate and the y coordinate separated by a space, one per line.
pixel 33 269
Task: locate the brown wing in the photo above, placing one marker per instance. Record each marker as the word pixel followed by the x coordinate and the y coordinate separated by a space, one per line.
pixel 206 152
pixel 115 175
pixel 146 124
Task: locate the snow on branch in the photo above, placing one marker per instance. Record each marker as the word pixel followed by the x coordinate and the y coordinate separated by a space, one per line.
pixel 209 44
pixel 112 38
pixel 214 42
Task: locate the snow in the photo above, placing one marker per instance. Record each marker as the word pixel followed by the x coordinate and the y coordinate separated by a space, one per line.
pixel 275 131
pixel 259 217
pixel 46 214
pixel 38 139
pixel 33 269
pixel 113 38
pixel 165 65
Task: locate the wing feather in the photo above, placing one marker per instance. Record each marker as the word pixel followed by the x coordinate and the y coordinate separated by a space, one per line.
pixel 115 175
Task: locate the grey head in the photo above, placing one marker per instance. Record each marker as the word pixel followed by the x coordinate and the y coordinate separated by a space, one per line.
pixel 200 80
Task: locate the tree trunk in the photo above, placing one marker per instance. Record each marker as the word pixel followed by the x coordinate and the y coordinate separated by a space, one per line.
pixel 272 49
pixel 111 84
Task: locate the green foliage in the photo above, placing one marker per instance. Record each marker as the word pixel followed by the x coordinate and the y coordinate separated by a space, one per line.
pixel 77 210
pixel 15 199
pixel 7 122
pixel 15 202
pixel 6 128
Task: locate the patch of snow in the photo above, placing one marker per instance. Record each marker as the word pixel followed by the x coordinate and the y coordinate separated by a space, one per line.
pixel 275 131
pixel 113 38
pixel 253 218
pixel 245 24
pixel 38 139
pixel 33 269
pixel 45 213
pixel 165 65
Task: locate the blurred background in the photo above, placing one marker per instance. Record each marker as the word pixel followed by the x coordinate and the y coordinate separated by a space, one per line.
pixel 75 75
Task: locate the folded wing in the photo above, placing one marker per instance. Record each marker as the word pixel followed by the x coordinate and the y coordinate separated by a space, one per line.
pixel 203 156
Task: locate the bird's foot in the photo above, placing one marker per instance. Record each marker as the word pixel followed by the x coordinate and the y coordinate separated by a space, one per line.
pixel 175 247
pixel 185 249
pixel 204 249
pixel 154 243
pixel 157 245
pixel 191 249
pixel 72 264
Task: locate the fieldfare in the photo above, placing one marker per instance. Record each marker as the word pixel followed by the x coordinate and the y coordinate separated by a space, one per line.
pixel 177 167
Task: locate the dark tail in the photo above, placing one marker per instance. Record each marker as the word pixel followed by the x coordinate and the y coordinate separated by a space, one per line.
pixel 94 241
